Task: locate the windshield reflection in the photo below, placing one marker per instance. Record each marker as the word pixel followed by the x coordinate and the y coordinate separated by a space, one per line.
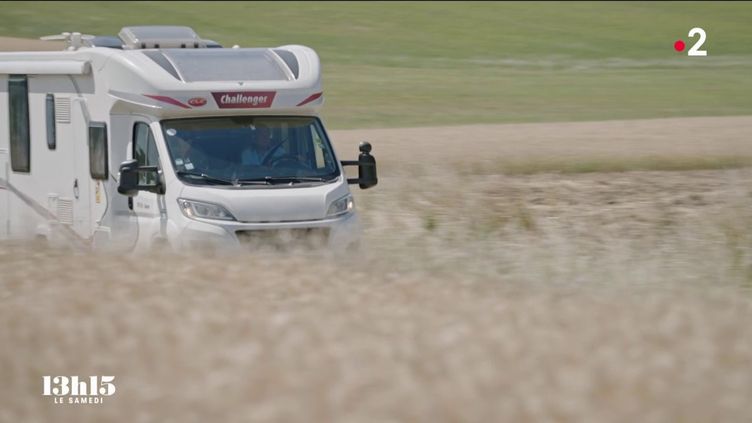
pixel 249 150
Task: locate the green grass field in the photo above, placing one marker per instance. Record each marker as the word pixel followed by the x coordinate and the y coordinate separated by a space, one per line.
pixel 411 64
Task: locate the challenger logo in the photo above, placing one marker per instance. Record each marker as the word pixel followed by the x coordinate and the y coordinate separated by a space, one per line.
pixel 244 99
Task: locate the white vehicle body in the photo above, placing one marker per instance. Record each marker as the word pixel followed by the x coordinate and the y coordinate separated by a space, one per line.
pixel 69 193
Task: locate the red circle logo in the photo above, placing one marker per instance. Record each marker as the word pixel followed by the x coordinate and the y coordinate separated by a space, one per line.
pixel 197 101
pixel 679 45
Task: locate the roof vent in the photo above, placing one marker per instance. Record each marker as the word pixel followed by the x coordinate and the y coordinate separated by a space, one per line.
pixel 142 37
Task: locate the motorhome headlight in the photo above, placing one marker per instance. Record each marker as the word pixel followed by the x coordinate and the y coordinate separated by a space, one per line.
pixel 194 209
pixel 340 206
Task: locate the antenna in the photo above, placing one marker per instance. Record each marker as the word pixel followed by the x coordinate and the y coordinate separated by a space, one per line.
pixel 73 40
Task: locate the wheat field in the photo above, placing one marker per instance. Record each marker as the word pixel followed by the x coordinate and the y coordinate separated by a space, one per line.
pixel 490 286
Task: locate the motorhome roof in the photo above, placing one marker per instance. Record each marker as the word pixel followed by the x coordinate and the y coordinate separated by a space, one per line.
pixel 179 81
pixel 137 37
pixel 282 79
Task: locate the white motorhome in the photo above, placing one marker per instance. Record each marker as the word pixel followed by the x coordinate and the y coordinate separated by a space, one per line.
pixel 158 137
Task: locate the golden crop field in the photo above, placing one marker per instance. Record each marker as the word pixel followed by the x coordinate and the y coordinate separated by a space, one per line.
pixel 592 271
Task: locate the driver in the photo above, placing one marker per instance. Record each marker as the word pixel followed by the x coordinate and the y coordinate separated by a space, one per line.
pixel 258 151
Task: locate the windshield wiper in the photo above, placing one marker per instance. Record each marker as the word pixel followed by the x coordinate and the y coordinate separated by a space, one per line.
pixel 205 177
pixel 283 179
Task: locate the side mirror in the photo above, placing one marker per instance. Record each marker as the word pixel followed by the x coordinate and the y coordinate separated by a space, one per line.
pixel 366 167
pixel 128 185
pixel 129 173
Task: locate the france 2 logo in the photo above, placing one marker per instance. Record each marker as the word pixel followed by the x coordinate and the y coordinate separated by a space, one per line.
pixel 695 50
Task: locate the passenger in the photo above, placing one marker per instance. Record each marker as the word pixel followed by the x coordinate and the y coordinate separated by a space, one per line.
pixel 186 157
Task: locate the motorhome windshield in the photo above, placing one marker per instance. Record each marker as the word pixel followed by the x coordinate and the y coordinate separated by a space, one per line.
pixel 249 151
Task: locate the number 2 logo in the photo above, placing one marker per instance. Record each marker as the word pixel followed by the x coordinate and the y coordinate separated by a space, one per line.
pixel 695 50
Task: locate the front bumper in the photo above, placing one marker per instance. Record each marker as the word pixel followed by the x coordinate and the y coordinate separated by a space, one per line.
pixel 337 233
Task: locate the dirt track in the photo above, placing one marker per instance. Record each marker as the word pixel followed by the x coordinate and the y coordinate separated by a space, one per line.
pixel 675 138
pixel 478 296
pixel 23 44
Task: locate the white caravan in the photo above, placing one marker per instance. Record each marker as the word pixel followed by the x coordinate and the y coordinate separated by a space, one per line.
pixel 158 137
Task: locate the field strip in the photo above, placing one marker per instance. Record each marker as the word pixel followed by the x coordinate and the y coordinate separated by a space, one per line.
pixel 673 140
pixel 25 44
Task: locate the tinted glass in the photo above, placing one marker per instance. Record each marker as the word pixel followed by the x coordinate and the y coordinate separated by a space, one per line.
pixel 50 117
pixel 145 151
pixel 98 150
pixel 238 148
pixel 18 108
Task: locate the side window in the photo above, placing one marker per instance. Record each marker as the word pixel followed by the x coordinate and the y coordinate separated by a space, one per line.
pixel 50 114
pixel 18 108
pixel 145 151
pixel 98 150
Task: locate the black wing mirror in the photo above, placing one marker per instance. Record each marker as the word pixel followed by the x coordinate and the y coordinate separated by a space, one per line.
pixel 366 163
pixel 128 178
pixel 129 172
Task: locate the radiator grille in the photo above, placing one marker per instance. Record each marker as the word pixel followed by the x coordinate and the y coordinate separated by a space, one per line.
pixel 284 238
pixel 65 211
pixel 62 110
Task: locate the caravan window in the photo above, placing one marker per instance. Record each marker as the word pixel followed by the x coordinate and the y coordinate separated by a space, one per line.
pixel 98 150
pixel 50 112
pixel 18 108
pixel 145 151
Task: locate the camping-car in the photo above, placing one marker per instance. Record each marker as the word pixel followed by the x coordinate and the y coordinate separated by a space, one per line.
pixel 158 137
